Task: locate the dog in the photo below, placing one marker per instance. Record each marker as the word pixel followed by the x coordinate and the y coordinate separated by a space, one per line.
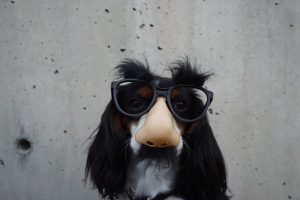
pixel 154 140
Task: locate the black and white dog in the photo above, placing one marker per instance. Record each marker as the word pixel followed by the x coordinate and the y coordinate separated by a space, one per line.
pixel 154 140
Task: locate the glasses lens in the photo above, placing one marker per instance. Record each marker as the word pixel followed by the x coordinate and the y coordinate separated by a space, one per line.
pixel 188 102
pixel 134 97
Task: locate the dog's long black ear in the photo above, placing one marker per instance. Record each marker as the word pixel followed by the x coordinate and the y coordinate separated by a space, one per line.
pixel 203 172
pixel 108 154
pixel 107 157
pixel 203 165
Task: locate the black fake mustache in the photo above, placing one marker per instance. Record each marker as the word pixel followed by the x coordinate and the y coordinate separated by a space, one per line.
pixel 165 155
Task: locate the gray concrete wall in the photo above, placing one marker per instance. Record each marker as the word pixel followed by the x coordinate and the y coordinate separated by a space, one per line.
pixel 56 60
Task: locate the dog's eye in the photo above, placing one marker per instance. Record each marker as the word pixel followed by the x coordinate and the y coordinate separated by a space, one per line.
pixel 180 105
pixel 135 104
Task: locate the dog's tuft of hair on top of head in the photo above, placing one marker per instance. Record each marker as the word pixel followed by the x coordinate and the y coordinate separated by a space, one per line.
pixel 132 68
pixel 183 72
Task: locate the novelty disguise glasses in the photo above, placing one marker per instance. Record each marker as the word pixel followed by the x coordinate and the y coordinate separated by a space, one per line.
pixel 134 98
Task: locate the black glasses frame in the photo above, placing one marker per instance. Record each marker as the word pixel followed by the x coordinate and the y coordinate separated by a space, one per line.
pixel 157 91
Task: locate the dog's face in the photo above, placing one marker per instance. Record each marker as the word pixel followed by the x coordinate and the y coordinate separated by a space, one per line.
pixel 158 110
pixel 158 128
pixel 157 118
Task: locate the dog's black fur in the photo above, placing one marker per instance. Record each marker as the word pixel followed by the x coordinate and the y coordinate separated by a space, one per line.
pixel 201 169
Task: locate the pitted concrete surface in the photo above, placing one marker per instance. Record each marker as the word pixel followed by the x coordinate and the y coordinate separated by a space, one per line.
pixel 56 64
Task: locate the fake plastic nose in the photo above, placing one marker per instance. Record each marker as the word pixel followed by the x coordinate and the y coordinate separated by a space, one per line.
pixel 159 129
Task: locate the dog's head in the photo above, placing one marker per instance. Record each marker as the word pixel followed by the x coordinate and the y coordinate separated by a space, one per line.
pixel 153 117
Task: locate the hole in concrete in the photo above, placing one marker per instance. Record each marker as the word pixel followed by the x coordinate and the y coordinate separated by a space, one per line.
pixel 142 26
pixel 2 162
pixel 23 145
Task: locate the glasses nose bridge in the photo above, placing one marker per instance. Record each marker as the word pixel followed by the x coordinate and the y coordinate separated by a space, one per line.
pixel 162 93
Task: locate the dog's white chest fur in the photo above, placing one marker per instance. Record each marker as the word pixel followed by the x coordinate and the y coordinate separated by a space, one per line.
pixel 150 177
